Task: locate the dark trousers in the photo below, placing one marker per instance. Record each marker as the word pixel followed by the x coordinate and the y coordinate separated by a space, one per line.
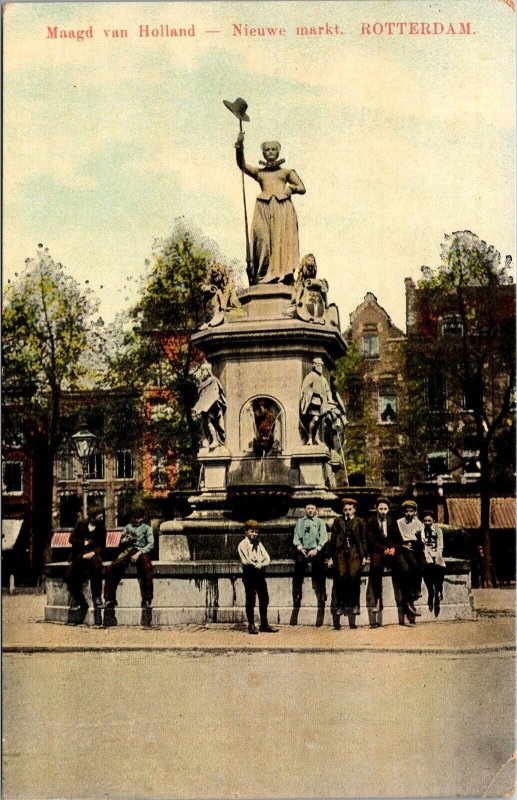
pixel 400 573
pixel 80 568
pixel 254 581
pixel 346 588
pixel 116 570
pixel 319 574
pixel 415 565
pixel 433 577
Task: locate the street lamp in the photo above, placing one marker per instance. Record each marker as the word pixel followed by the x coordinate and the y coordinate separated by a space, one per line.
pixel 84 445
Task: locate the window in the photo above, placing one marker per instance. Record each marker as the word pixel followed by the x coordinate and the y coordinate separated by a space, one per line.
pixel 470 463
pixel 123 501
pixel 355 399
pixel 12 477
pixel 390 467
pixel 436 393
pixel 371 345
pixel 67 470
pixel 450 325
pixel 158 470
pixel 124 464
pixel 472 395
pixel 387 401
pixel 12 434
pixel 70 506
pixel 95 499
pixel 437 464
pixel 96 466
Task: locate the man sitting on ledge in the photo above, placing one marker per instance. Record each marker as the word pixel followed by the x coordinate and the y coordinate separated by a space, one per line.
pixel 136 543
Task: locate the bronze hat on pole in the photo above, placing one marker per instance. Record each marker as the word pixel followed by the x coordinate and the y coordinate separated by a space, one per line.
pixel 239 108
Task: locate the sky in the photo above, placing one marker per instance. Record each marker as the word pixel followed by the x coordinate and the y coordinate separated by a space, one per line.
pixel 399 139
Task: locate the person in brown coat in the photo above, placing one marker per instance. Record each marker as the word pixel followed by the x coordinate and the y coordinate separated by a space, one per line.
pixel 346 554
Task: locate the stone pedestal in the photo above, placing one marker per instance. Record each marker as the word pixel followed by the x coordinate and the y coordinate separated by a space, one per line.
pixel 202 591
pixel 262 352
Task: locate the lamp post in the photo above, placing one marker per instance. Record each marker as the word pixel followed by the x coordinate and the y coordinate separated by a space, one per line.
pixel 84 445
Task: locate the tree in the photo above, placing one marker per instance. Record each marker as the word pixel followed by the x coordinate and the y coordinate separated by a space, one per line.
pixel 460 363
pixel 355 386
pixel 157 351
pixel 49 335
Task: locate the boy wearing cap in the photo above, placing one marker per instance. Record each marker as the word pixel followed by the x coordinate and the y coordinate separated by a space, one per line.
pixel 88 540
pixel 411 530
pixel 254 558
pixel 310 537
pixel 346 554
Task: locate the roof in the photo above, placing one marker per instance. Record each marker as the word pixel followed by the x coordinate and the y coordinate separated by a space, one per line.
pixel 465 512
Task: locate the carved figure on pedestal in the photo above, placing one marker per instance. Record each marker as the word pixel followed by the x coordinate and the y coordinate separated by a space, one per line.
pixel 265 415
pixel 309 296
pixel 315 401
pixel 335 428
pixel 210 406
pixel 218 295
pixel 275 249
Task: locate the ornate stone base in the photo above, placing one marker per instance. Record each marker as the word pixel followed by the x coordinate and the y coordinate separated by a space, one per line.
pixel 208 591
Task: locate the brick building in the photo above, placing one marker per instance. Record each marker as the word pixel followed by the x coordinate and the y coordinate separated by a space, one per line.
pixel 373 405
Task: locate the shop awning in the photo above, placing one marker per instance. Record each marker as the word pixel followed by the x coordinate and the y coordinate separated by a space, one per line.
pixel 10 531
pixel 465 512
pixel 60 538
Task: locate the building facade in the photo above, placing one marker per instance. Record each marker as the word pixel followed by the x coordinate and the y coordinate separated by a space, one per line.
pixel 374 397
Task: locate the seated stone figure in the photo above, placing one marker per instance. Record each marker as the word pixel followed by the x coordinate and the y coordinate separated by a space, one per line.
pixel 309 298
pixel 218 295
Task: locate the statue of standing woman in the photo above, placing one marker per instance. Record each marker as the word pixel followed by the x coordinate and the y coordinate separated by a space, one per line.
pixel 275 249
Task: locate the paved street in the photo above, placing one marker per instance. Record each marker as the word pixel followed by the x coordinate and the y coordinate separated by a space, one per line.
pixel 203 723
pixel 157 725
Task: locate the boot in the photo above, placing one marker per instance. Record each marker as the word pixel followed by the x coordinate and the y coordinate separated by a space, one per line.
pixel 110 619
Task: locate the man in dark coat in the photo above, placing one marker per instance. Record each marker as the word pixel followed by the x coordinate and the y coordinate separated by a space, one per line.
pixel 88 540
pixel 346 554
pixel 385 548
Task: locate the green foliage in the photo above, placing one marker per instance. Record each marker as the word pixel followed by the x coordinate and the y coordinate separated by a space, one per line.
pixel 466 260
pixel 172 297
pixel 47 328
pixel 464 341
pixel 51 344
pixel 355 386
pixel 155 350
pixel 49 338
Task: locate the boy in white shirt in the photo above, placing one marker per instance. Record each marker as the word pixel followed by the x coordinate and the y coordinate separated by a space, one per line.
pixel 254 558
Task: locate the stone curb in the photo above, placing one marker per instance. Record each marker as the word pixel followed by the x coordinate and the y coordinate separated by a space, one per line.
pixel 221 649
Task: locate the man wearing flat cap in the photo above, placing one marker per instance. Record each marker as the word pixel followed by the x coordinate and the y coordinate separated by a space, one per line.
pixel 255 558
pixel 88 541
pixel 310 538
pixel 412 530
pixel 346 550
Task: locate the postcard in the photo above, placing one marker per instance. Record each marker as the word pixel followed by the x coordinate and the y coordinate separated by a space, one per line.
pixel 358 134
